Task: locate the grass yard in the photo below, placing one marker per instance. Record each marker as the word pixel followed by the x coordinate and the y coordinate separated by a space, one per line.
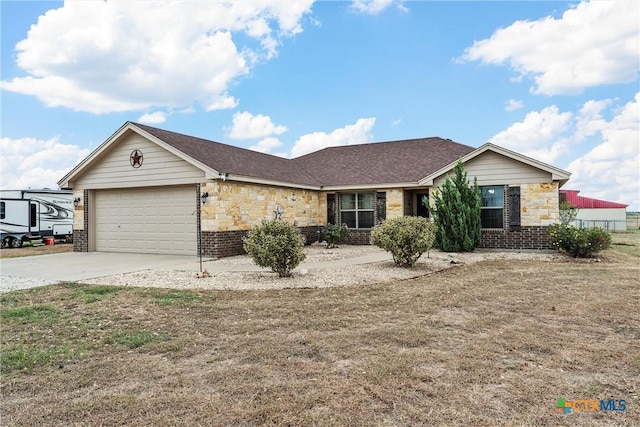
pixel 29 250
pixel 491 343
pixel 626 241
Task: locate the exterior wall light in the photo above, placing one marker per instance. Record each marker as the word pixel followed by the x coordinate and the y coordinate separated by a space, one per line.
pixel 76 202
pixel 293 197
pixel 204 197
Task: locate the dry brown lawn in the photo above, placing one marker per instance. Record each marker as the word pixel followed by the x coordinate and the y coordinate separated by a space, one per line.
pixel 626 241
pixel 490 343
pixel 29 250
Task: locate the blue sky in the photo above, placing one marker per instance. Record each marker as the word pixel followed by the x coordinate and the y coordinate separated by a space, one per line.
pixel 557 81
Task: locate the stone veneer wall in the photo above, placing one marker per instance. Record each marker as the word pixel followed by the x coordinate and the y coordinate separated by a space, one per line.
pixel 238 206
pixel 81 222
pixel 234 207
pixel 395 202
pixel 539 204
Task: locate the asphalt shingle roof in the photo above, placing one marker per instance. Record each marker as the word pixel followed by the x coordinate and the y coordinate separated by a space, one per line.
pixel 382 162
pixel 234 160
pixel 366 164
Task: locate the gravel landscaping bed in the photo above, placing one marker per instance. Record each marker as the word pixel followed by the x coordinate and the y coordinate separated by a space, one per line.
pixel 343 274
pixel 13 283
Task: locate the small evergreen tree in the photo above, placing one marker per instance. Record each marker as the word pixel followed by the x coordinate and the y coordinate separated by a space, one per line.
pixel 457 213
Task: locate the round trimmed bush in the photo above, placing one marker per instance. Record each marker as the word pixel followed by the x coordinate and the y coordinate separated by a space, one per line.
pixel 275 244
pixel 407 238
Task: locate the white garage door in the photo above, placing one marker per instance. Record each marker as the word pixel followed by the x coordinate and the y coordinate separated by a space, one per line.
pixel 148 220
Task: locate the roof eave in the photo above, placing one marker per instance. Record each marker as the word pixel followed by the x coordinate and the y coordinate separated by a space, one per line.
pixel 562 180
pixel 263 181
pixel 370 186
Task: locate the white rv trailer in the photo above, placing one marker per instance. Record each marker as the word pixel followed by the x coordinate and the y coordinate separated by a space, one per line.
pixel 27 215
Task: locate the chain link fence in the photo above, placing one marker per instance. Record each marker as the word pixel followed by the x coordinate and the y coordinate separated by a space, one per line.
pixel 632 223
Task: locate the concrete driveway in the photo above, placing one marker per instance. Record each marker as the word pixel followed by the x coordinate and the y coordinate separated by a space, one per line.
pixel 75 266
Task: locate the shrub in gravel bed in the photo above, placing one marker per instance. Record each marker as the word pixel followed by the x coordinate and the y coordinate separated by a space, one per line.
pixel 333 234
pixel 407 238
pixel 275 244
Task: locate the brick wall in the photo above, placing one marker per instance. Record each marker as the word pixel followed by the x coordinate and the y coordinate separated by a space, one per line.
pixel 222 243
pixel 532 237
pixel 229 243
pixel 358 237
pixel 311 233
pixel 80 241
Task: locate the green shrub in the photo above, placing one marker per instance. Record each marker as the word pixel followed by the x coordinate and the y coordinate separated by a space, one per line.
pixel 579 242
pixel 407 238
pixel 275 244
pixel 333 234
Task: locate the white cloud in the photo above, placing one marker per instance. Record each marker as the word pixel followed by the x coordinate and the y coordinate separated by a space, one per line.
pixel 357 133
pixel 113 56
pixel 602 155
pixel 247 126
pixel 513 105
pixel 589 120
pixel 36 163
pixel 155 117
pixel 538 135
pixel 374 7
pixel 396 122
pixel 594 43
pixel 266 145
pixel 611 170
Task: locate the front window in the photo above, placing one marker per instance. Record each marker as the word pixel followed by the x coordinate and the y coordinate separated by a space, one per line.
pixel 492 207
pixel 356 209
pixel 2 210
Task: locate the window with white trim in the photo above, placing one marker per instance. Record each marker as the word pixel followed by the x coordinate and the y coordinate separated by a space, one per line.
pixel 492 208
pixel 356 209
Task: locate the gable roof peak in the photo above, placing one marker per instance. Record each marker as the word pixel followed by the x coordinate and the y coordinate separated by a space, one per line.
pixel 233 160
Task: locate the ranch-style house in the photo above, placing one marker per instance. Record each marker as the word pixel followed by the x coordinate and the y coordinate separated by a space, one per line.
pixel 150 190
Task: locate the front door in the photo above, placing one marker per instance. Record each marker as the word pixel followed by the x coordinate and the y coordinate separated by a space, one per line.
pixel 422 203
